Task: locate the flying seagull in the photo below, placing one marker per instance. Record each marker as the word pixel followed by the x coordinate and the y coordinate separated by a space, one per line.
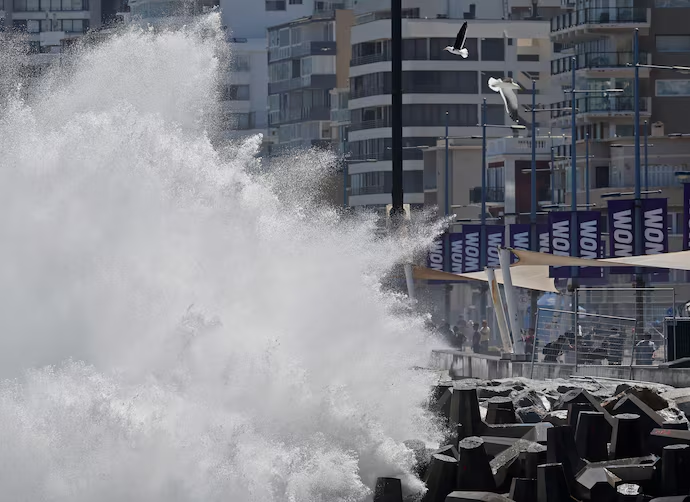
pixel 458 48
pixel 506 86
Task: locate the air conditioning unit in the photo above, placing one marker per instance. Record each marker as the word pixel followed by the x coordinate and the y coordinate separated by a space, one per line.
pixel 658 129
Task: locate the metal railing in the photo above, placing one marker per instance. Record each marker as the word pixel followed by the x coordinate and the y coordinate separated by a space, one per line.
pixel 493 194
pixel 589 60
pixel 613 15
pixel 370 124
pixel 304 113
pixel 364 92
pixel 608 104
pixel 648 306
pixel 371 58
pixel 589 339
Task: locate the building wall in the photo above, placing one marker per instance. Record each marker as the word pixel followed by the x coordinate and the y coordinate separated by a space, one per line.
pixel 343 24
pixel 249 18
pixel 672 111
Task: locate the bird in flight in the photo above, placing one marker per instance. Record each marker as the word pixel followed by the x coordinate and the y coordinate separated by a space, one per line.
pixel 507 87
pixel 458 48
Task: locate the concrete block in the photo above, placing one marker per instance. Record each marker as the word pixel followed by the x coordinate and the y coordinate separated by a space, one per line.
pixel 388 490
pixel 500 410
pixel 523 490
pixel 574 410
pixel 629 492
pixel 464 409
pixel 551 483
pixel 557 418
pixel 598 484
pixel 496 445
pixel 508 464
pixel 474 472
pixel 440 478
pixel 561 449
pixel 627 439
pixel 460 496
pixel 675 469
pixel 675 425
pixel 591 436
pixel 659 438
pixel 649 419
pixel 539 433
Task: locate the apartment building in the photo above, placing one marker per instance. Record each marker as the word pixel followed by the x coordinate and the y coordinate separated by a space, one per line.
pixel 504 39
pixel 599 35
pixel 307 58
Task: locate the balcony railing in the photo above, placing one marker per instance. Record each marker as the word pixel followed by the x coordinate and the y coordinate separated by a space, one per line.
pixel 611 104
pixel 493 195
pixel 371 58
pixel 306 113
pixel 591 60
pixel 370 124
pixel 614 15
pixel 364 92
pixel 302 49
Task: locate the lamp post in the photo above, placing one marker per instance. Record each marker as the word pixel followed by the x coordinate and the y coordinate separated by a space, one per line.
pixel 646 158
pixel 446 236
pixel 587 169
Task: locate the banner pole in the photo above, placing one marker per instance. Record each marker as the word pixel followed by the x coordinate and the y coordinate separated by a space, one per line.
pixel 511 300
pixel 498 306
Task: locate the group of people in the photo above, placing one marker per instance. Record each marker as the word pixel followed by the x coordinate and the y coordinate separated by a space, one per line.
pixel 477 334
pixel 583 349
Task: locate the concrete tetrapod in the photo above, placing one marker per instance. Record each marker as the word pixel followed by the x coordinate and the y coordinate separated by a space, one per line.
pixel 665 437
pixel 561 449
pixel 592 436
pixel 440 478
pixel 464 409
pixel 627 440
pixel 474 471
pixel 649 419
pixel 523 490
pixel 388 490
pixel 574 410
pixel 551 483
pixel 476 496
pixel 500 410
pixel 675 470
pixel 629 492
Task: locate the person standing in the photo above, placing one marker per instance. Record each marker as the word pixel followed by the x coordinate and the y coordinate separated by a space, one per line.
pixel 485 336
pixel 476 338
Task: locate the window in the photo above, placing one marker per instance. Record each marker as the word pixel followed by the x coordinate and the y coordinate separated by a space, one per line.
pixel 382 182
pixel 671 4
pixel 236 92
pixel 673 87
pixel 673 43
pixel 295 2
pixel 272 5
pixel 72 25
pixel 424 115
pixel 495 114
pixel 414 49
pixel 65 5
pixel 437 53
pixel 27 5
pixel 493 49
pixel 601 177
pixel 284 37
pixel 240 63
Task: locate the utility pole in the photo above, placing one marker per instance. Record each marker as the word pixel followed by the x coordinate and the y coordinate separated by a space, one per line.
pixel 396 112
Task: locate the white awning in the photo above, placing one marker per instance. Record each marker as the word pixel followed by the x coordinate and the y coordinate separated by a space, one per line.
pixel 679 260
pixel 534 277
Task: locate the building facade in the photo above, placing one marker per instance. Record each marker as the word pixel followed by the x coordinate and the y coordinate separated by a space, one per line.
pixel 434 82
pixel 304 64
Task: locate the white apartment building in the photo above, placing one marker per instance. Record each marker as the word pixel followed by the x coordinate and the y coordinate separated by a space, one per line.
pixel 435 82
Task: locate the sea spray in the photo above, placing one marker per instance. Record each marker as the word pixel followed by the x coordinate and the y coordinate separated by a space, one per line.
pixel 181 325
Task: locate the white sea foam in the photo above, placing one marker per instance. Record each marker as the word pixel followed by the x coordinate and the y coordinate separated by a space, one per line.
pixel 181 325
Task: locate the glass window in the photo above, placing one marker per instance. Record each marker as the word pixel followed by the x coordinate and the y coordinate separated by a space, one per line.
pixel 673 87
pixel 493 49
pixel 495 114
pixel 670 4
pixel 295 2
pixel 414 49
pixel 436 52
pixel 284 37
pixel 272 5
pixel 673 43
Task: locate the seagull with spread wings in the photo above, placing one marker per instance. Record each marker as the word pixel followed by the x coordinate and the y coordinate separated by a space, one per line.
pixel 458 48
pixel 507 87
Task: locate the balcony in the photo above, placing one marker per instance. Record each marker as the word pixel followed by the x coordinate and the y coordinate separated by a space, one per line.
pixel 607 106
pixel 307 48
pixel 521 146
pixel 597 21
pixel 305 82
pixel 598 61
pixel 299 115
pixel 494 195
pixel 370 124
pixel 341 116
pixel 371 58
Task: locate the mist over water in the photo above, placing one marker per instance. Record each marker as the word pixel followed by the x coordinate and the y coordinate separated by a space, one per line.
pixel 184 325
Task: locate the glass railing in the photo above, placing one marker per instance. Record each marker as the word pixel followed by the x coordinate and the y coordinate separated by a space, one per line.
pixel 614 15
pixel 595 60
pixel 599 104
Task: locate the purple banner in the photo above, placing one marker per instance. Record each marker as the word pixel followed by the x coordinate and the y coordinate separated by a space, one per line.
pixel 655 231
pixel 495 238
pixel 471 247
pixel 621 232
pixel 456 253
pixel 544 236
pixel 434 259
pixel 559 223
pixel 519 238
pixel 589 241
pixel 686 217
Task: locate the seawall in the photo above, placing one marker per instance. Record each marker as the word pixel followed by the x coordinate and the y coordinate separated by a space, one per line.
pixel 470 365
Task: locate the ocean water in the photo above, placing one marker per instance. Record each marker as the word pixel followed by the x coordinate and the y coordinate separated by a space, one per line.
pixel 181 322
